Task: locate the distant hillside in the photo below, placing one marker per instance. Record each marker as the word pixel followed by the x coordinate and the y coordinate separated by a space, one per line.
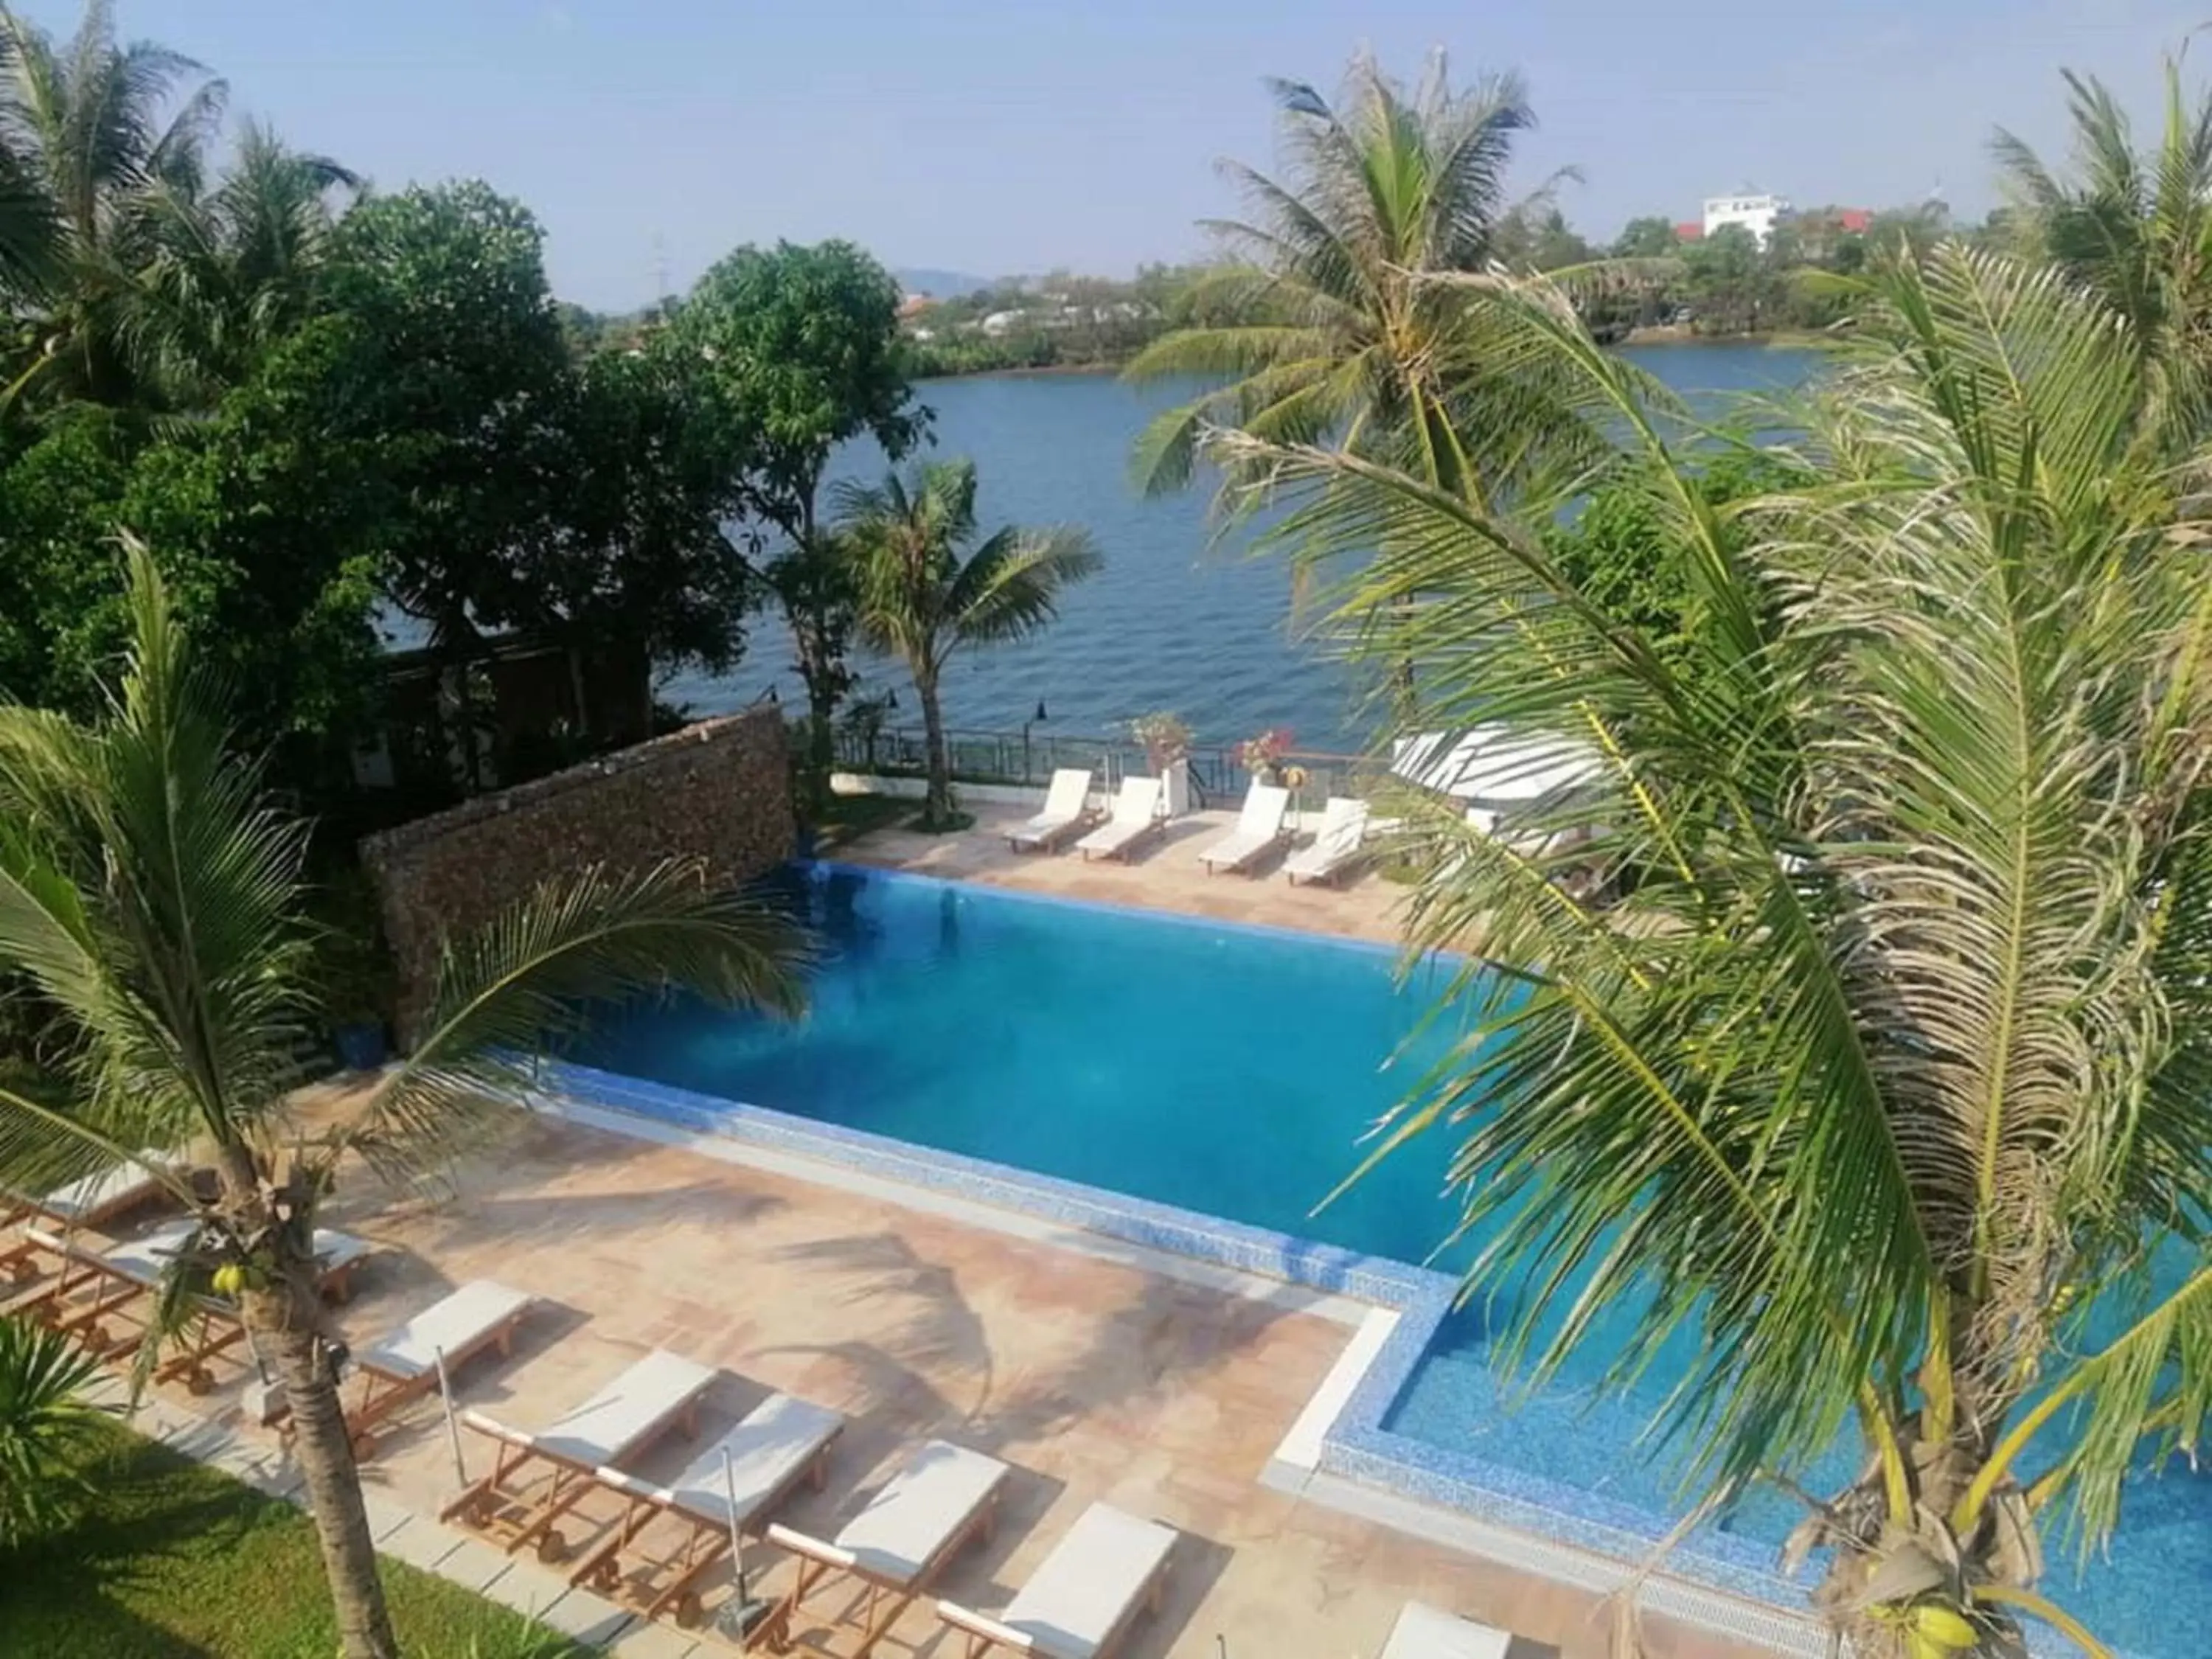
pixel 940 284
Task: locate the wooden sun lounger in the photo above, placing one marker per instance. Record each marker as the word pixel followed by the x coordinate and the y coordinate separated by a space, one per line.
pixel 781 1442
pixel 401 1366
pixel 944 1496
pixel 95 1287
pixel 539 1478
pixel 1081 1602
pixel 1424 1632
pixel 88 1201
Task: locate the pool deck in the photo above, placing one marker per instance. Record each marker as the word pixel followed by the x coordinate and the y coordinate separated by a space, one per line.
pixel 1095 1378
pixel 1165 874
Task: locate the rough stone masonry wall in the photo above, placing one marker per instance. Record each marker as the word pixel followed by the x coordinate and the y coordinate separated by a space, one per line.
pixel 719 791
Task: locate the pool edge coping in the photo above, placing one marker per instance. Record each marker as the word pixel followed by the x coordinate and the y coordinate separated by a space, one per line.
pixel 1730 1590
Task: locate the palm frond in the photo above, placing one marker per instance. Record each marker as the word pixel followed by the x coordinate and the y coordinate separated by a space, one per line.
pixel 538 970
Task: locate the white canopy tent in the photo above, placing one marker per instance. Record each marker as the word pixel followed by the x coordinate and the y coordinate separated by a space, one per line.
pixel 1488 766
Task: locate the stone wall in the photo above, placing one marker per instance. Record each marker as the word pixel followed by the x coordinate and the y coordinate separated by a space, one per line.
pixel 719 791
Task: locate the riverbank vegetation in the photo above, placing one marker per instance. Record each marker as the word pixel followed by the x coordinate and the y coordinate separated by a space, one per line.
pixel 1871 1097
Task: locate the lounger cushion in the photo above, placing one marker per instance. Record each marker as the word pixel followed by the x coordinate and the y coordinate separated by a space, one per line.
pixel 627 1412
pixel 776 1440
pixel 457 1322
pixel 91 1196
pixel 1083 1590
pixel 148 1258
pixel 1423 1632
pixel 907 1524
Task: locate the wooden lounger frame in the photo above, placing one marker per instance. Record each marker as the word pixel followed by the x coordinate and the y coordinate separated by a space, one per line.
pixel 383 1393
pixel 514 1506
pixel 821 1564
pixel 639 1583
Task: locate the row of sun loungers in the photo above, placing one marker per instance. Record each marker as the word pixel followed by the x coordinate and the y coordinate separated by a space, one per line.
pixel 1135 815
pixel 650 1546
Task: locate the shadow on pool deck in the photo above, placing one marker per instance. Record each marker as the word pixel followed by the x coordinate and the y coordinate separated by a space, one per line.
pixel 1096 1380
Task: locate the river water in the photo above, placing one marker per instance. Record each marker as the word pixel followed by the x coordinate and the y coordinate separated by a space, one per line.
pixel 1181 618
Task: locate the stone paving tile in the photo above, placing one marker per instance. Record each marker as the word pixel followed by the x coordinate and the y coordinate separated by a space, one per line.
pixel 644 1641
pixel 420 1543
pixel 474 1564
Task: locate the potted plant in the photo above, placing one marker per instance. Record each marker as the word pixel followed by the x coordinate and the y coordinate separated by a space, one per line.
pixel 1263 756
pixel 1165 741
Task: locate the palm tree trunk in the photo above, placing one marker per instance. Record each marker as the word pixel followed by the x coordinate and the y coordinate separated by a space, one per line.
pixel 937 810
pixel 283 1319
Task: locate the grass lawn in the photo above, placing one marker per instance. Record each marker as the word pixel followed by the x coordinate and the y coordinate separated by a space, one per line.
pixel 171 1560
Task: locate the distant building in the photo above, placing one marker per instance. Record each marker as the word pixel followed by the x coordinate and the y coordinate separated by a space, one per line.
pixel 998 322
pixel 1756 214
pixel 1690 230
pixel 913 305
pixel 1854 221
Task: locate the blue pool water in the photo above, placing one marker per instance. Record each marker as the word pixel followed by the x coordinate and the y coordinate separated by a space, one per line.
pixel 1233 1071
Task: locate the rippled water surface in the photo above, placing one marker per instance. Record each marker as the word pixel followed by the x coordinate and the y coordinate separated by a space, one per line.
pixel 1177 619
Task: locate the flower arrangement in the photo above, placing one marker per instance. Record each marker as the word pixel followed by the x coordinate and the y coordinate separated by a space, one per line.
pixel 1263 756
pixel 1164 737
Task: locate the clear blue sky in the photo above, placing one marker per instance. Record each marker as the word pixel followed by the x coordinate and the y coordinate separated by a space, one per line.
pixel 997 137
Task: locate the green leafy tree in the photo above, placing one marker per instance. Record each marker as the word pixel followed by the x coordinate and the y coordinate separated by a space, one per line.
pixel 1880 1091
pixel 924 593
pixel 1336 333
pixel 266 525
pixel 804 343
pixel 656 466
pixel 43 1425
pixel 1728 282
pixel 2137 228
pixel 1651 237
pixel 157 902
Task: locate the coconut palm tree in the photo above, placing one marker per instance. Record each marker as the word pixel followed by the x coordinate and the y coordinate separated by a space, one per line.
pixel 231 271
pixel 1874 1097
pixel 94 132
pixel 2137 228
pixel 156 902
pixel 919 599
pixel 1320 328
pixel 42 1423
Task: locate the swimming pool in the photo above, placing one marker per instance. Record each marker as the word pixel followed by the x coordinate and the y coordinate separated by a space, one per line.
pixel 1232 1072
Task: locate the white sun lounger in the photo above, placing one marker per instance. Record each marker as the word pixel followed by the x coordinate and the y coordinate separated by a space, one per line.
pixel 120 1283
pixel 779 1443
pixel 1258 827
pixel 1082 1600
pixel 1136 815
pixel 88 1201
pixel 1066 808
pixel 402 1366
pixel 1336 844
pixel 944 1496
pixel 1423 1632
pixel 519 1503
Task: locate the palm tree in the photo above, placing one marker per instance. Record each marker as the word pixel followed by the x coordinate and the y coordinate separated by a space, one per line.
pixel 919 599
pixel 231 270
pixel 1880 1082
pixel 156 902
pixel 1321 328
pixel 94 133
pixel 2137 228
pixel 42 1425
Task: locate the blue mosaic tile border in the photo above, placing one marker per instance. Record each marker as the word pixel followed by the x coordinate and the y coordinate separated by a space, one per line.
pixel 1358 1446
